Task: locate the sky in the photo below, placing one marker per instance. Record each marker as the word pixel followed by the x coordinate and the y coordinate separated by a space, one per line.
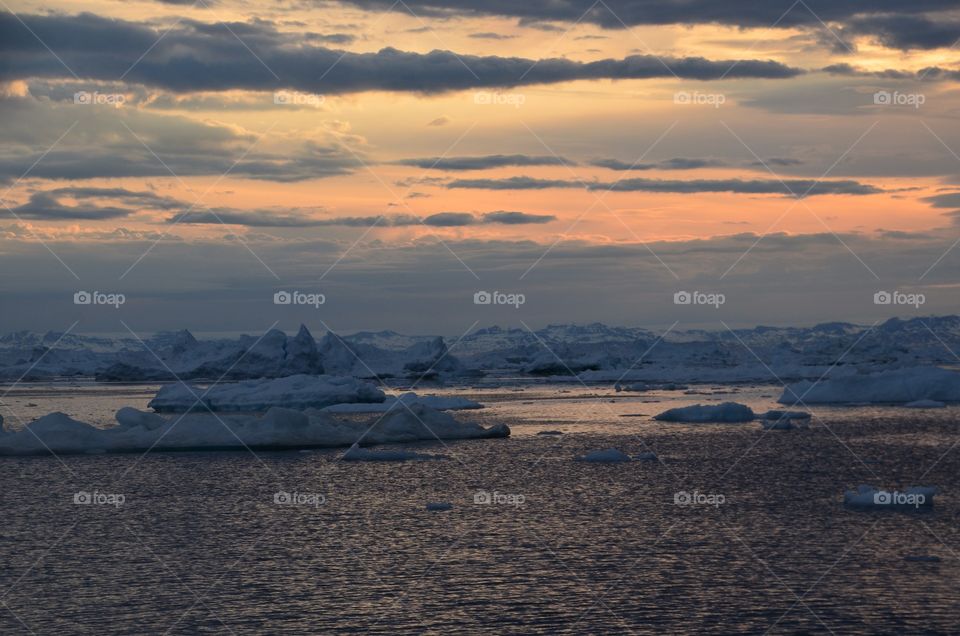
pixel 782 163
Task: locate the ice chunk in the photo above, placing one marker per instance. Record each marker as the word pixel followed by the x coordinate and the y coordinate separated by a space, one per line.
pixel 646 456
pixel 608 455
pixel 438 402
pixel 718 413
pixel 439 506
pixel 357 454
pixel 295 391
pixel 278 428
pixel 897 386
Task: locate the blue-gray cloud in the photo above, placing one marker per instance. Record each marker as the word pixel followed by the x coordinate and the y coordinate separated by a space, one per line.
pixel 483 162
pixel 194 56
pixel 792 187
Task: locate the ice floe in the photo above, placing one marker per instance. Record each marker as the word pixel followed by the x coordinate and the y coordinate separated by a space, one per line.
pixel 438 402
pixel 278 428
pixel 896 386
pixel 727 412
pixel 295 391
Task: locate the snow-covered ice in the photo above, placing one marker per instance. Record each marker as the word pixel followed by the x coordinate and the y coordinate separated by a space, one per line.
pixel 295 391
pixel 894 386
pixel 438 402
pixel 277 428
pixel 727 412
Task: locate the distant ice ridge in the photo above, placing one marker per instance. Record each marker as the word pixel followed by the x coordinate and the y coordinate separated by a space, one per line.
pixel 279 428
pixel 595 352
pixel 908 385
pixel 727 412
pixel 294 392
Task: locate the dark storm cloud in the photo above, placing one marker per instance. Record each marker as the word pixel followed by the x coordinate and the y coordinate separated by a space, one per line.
pixel 906 32
pixel 194 56
pixel 43 206
pixel 794 187
pixel 946 200
pixel 931 73
pixel 483 162
pixel 614 14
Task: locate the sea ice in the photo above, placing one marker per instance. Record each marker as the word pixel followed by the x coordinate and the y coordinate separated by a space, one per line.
pixel 278 428
pixel 295 391
pixel 438 402
pixel 727 412
pixel 897 386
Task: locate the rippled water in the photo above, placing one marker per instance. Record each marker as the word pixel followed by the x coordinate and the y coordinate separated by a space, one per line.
pixel 199 546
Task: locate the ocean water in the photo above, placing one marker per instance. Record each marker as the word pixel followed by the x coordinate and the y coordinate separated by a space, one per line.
pixel 199 544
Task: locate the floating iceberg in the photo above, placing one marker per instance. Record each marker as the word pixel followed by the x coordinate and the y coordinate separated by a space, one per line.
pixel 607 456
pixel 728 412
pixel 357 454
pixel 869 497
pixel 439 506
pixel 896 386
pixel 295 392
pixel 279 428
pixel 438 402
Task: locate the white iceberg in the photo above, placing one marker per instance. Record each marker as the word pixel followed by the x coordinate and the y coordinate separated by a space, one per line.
pixel 278 428
pixel 438 402
pixel 295 392
pixel 899 386
pixel 727 412
pixel 608 455
pixel 866 496
pixel 357 454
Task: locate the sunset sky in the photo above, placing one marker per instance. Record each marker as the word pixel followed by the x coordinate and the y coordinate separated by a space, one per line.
pixel 398 157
